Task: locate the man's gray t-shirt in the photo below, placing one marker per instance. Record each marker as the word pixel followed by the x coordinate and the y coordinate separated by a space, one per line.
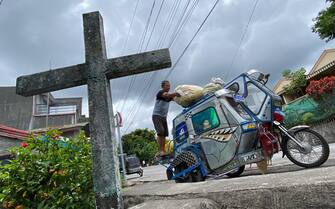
pixel 161 105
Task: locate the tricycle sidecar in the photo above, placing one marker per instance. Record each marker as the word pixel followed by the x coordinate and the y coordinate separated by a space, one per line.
pixel 215 135
pixel 238 125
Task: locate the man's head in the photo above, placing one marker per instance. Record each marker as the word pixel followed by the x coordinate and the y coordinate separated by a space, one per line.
pixel 165 86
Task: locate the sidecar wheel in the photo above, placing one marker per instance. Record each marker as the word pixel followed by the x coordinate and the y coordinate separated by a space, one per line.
pixel 236 173
pixel 197 176
pixel 180 168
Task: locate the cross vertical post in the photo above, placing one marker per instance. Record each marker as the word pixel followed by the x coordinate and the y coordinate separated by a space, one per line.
pixel 105 164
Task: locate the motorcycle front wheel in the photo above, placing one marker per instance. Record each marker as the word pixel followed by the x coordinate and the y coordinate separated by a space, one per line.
pixel 315 149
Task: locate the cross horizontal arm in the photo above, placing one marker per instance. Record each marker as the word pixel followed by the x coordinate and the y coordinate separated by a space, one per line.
pixel 138 63
pixel 51 80
pixel 76 75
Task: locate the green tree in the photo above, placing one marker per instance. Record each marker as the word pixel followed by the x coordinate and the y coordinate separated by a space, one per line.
pixel 324 23
pixel 298 82
pixel 141 142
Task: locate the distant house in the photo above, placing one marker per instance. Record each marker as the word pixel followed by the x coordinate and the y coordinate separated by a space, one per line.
pixel 279 90
pixel 40 111
pixel 9 137
pixel 324 66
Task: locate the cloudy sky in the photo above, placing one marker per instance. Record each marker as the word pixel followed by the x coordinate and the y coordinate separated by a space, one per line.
pixel 37 33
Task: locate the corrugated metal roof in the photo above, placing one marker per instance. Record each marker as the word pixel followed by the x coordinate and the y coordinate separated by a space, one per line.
pixel 12 133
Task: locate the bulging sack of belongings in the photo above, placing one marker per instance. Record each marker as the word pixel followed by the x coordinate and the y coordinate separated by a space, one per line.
pixel 215 85
pixel 188 94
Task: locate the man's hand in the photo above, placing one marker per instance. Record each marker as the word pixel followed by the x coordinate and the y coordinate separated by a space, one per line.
pixel 175 94
pixel 170 95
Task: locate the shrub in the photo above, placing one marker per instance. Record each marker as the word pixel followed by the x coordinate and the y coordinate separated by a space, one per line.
pixel 49 172
pixel 318 88
pixel 307 117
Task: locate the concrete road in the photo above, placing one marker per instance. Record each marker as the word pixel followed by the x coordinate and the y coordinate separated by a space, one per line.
pixel 284 186
pixel 279 164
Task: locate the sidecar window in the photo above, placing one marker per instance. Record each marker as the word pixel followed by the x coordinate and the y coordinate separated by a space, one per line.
pixel 205 120
pixel 255 98
pixel 237 86
pixel 238 108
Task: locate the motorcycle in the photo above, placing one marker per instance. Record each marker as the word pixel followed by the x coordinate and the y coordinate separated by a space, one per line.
pixel 235 126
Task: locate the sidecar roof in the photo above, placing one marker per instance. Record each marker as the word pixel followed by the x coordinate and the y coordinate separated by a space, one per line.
pixel 198 102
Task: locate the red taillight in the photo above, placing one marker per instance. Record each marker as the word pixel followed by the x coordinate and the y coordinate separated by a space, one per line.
pixel 278 117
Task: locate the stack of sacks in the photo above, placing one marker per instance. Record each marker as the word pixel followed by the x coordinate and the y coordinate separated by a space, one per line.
pixel 212 87
pixel 188 94
pixel 191 93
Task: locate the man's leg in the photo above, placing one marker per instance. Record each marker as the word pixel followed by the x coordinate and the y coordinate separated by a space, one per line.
pixel 161 144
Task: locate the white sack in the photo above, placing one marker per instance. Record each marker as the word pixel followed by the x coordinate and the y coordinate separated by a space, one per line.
pixel 188 94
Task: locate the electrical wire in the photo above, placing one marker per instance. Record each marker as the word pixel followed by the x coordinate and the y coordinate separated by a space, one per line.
pixel 133 78
pixel 190 42
pixel 186 19
pixel 124 48
pixel 183 14
pixel 133 110
pixel 130 27
pixel 242 38
pixel 167 22
pixel 186 48
pixel 153 28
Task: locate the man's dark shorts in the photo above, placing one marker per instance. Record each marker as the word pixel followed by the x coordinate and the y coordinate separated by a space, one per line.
pixel 160 124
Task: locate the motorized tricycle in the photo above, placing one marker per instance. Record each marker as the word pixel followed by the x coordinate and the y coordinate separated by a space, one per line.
pixel 235 126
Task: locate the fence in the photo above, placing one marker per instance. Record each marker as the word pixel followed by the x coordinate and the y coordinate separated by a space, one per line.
pixel 42 109
pixel 307 110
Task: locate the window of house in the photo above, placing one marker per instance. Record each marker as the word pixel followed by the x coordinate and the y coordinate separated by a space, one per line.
pixel 205 120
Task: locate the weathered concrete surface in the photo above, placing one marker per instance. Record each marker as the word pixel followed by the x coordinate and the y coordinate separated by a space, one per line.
pixel 285 186
pixel 15 110
pixel 199 203
pixel 327 130
pixel 76 75
pixel 310 188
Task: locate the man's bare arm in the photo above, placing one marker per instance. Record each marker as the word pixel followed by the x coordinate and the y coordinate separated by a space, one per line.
pixel 167 95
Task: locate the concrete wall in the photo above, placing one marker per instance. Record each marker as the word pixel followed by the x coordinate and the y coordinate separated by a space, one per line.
pixel 6 143
pixel 15 110
pixel 327 130
pixel 53 121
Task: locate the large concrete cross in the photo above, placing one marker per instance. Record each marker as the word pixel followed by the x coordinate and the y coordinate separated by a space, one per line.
pixel 96 73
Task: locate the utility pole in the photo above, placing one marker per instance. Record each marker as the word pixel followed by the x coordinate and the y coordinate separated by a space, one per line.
pixel 118 126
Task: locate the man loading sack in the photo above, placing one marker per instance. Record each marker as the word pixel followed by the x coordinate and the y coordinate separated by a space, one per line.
pixel 184 95
pixel 163 98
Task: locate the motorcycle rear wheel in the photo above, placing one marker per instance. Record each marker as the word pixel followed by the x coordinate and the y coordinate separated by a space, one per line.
pixel 317 145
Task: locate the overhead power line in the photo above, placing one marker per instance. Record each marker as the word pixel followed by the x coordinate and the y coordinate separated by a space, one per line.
pixel 190 42
pixel 198 30
pixel 153 27
pixel 148 83
pixel 133 78
pixel 177 25
pixel 127 39
pixel 185 20
pixel 130 26
pixel 242 38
